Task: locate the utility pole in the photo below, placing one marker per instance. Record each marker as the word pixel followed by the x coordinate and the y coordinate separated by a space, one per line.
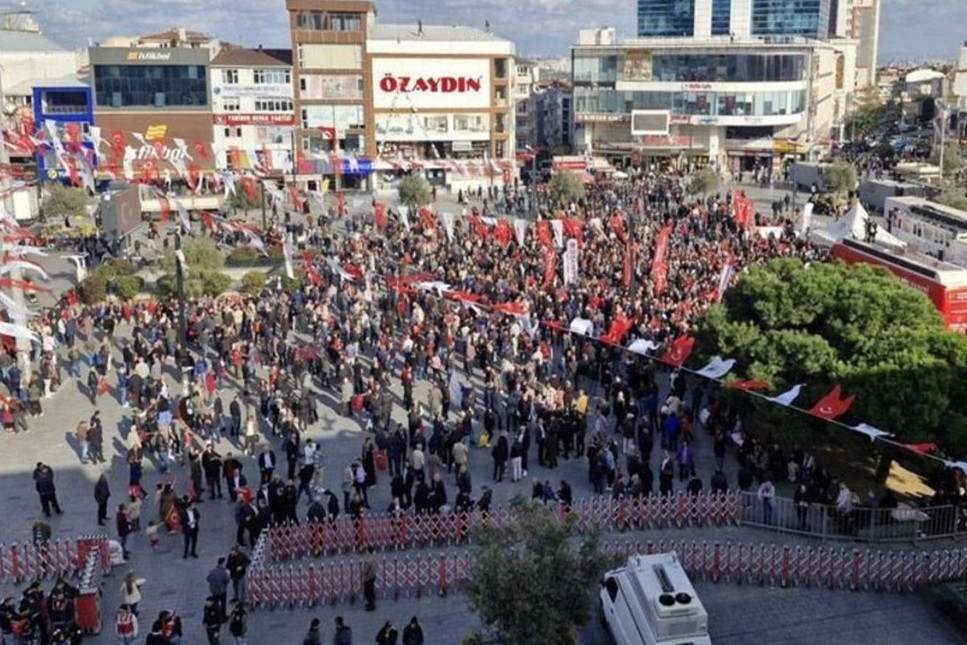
pixel 180 285
pixel 265 226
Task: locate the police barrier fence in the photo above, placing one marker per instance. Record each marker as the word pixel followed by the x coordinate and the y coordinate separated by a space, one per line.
pixel 404 531
pixel 412 575
pixel 56 558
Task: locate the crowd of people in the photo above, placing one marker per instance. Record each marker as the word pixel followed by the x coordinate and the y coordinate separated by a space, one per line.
pixel 496 365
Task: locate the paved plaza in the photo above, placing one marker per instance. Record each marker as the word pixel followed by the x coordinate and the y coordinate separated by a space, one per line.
pixel 738 614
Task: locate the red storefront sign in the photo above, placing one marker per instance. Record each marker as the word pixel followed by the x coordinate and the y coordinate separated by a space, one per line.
pixel 253 119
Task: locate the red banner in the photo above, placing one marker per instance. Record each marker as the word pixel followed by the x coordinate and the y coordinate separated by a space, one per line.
pixel 678 351
pixel 544 233
pixel 659 263
pixel 743 209
pixel 550 268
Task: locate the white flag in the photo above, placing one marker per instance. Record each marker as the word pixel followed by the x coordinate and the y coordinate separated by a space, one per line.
pixel 807 219
pixel 643 347
pixel 287 254
pixel 16 311
pixel 404 216
pixel 874 433
pixel 183 149
pixel 717 368
pixel 786 398
pixel 570 262
pixel 18 331
pixel 724 278
pixel 520 227
pixel 456 392
pixel 582 326
pixel 21 249
pixel 558 227
pixel 94 136
pixel 24 266
pixel 448 225
pixel 183 214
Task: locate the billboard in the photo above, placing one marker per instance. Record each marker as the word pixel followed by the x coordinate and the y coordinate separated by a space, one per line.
pixel 340 117
pixel 637 66
pixel 140 131
pixel 430 83
pixel 649 122
pixel 337 86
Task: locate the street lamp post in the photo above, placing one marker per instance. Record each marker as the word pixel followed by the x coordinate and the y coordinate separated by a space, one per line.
pixel 180 286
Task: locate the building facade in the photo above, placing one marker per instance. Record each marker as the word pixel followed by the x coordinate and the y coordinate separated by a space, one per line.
pixel 525 83
pixel 374 101
pixel 732 102
pixel 156 103
pixel 253 118
pixel 737 18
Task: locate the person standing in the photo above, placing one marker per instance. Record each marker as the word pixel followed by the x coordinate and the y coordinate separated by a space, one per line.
pixel 236 623
pixel 314 635
pixel 95 438
pixel 126 626
pixel 123 524
pixel 500 452
pixel 44 484
pixel 266 463
pixel 131 592
pixel 212 620
pixel 189 527
pixel 369 580
pixel 343 634
pixel 81 435
pixel 387 635
pixel 237 565
pixel 413 633
pixel 218 587
pixel 102 492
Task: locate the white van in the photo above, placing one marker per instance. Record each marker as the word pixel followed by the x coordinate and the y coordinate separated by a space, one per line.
pixel 651 602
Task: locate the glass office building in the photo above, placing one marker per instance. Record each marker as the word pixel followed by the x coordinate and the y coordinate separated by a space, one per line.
pixel 806 18
pixel 152 86
pixel 666 18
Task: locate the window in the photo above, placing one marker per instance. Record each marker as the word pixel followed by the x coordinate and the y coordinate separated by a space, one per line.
pixel 273 105
pixel 150 86
pixel 231 105
pixel 323 21
pixel 230 76
pixel 666 18
pixel 233 133
pixel 272 77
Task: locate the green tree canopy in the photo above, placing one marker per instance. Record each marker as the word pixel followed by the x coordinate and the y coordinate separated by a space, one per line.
pixel 787 322
pixel 565 187
pixel 953 196
pixel 840 177
pixel 530 586
pixel 703 182
pixel 61 200
pixel 414 191
pixel 204 276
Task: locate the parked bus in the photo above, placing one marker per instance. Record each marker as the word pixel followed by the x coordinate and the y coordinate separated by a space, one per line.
pixel 944 283
pixel 874 193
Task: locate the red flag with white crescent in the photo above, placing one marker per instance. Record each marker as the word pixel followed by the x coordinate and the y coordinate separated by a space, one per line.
pixel 678 351
pixel 832 405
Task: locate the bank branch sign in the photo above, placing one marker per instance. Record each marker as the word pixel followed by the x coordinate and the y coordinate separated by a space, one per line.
pixel 431 83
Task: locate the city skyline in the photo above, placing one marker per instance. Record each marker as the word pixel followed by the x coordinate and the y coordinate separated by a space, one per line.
pixel 537 27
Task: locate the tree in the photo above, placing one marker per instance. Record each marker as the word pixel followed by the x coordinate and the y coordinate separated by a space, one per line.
pixel 840 177
pixel 203 277
pixel 530 586
pixel 953 196
pixel 414 191
pixel 703 182
pixel 953 158
pixel 62 201
pixel 253 282
pixel 240 201
pixel 565 187
pixel 787 322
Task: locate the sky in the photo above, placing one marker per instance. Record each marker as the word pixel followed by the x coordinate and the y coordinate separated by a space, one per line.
pixel 910 29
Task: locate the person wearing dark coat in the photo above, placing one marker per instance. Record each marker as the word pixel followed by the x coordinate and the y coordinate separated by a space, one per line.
pixel 102 492
pixel 413 633
pixel 500 452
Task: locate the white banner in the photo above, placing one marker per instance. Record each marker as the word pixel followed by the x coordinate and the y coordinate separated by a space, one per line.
pixel 287 254
pixel 404 216
pixel 807 219
pixel 558 227
pixel 570 263
pixel 520 227
pixel 448 225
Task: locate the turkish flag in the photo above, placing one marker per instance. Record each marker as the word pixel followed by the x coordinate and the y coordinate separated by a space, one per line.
pixel 573 227
pixel 248 185
pixel 749 386
pixel 201 148
pixel 678 351
pixel 503 231
pixel 165 208
pixel 296 199
pixel 921 449
pixel 544 233
pixel 832 405
pixel 479 227
pixel 513 308
pixel 426 216
pixel 379 214
pixel 10 283
pixel 619 327
pixel 618 224
pixel 550 268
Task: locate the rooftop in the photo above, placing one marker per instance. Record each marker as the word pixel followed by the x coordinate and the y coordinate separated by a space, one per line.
pixel 177 33
pixel 26 88
pixel 26 41
pixel 441 33
pixel 253 58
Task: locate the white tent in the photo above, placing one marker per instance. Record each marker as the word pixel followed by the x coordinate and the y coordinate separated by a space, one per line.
pixel 853 226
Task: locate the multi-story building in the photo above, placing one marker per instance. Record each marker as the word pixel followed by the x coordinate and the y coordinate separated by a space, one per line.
pixel 155 97
pixel 554 117
pixel 733 82
pixel 859 21
pixel 253 119
pixel 398 98
pixel 959 90
pixel 39 88
pixel 526 80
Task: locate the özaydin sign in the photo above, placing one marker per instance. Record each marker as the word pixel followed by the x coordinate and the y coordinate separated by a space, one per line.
pixel 430 83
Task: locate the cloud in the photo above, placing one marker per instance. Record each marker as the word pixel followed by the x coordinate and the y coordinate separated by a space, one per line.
pixel 536 26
